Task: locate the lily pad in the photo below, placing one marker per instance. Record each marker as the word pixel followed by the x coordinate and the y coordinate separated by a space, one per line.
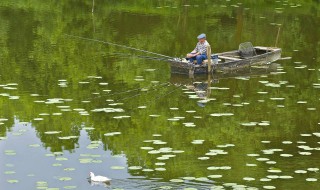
pixel 135 168
pixel 147 170
pixel 176 180
pixel 160 169
pixel 65 178
pixel 52 132
pixel 249 179
pixel 9 172
pixel 215 176
pixel 69 169
pixel 70 187
pixel 300 171
pixel 312 179
pixel 12 181
pixel 117 167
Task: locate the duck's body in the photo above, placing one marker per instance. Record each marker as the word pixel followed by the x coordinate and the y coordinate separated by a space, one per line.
pixel 99 178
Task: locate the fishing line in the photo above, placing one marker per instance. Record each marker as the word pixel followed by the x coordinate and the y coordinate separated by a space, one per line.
pixel 118 45
pixel 153 89
pixel 147 103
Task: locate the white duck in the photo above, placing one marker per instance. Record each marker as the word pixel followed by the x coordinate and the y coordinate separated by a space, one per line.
pixel 99 178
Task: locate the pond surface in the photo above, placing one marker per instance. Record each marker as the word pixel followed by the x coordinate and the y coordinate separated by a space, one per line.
pixel 71 105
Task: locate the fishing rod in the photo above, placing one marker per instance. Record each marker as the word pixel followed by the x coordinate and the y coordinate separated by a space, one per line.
pixel 118 45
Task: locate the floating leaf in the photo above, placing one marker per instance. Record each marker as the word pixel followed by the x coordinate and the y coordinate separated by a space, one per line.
pixel 147 170
pixel 68 137
pixel 52 132
pixel 154 152
pixel 286 155
pixel 97 161
pixel 249 179
pixel 176 180
pixel 88 128
pixel 271 162
pixel 274 170
pixel 85 160
pixel 305 153
pixel 112 134
pixel 146 148
pixel 12 181
pixel 253 155
pixel 204 158
pixel 265 179
pixel 202 179
pixel 249 124
pixel 69 169
pixel 65 178
pixel 313 169
pixel 197 141
pixel 221 114
pixel 285 177
pixel 189 178
pixel 300 171
pixel 117 167
pixel 9 172
pixel 215 176
pixel 312 179
pixel 269 187
pixel 61 159
pixel 10 152
pixel 262 159
pixel 34 145
pixel 159 142
pixel 154 115
pixel 135 168
pixel 165 187
pixel 70 187
pixel 160 169
pixel 272 176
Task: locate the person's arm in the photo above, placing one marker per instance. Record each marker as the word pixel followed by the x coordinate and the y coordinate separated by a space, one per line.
pixel 194 51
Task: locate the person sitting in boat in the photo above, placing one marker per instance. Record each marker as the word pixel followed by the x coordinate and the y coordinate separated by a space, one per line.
pixel 200 52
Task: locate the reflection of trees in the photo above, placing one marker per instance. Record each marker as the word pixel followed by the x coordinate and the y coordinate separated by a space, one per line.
pixel 35 54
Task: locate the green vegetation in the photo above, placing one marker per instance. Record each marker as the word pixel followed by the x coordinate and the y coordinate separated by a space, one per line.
pixel 36 53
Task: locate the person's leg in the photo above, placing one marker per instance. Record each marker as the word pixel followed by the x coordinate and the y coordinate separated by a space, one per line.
pixel 200 58
pixel 191 59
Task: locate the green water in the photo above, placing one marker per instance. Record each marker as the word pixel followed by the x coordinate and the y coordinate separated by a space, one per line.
pixel 70 106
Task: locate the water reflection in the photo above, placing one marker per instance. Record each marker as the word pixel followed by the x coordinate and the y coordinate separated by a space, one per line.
pixel 202 84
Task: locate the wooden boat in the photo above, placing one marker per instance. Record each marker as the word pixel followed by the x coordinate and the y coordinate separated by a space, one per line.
pixel 226 61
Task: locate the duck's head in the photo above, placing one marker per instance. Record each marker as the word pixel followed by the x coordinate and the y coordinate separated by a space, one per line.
pixel 91 174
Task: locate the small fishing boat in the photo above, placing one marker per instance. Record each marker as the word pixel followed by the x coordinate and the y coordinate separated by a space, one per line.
pixel 245 56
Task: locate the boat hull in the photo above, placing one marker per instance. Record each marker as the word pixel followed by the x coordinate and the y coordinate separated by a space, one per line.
pixel 228 61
